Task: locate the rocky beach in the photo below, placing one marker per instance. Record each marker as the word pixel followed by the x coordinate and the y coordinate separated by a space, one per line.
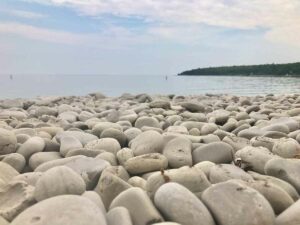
pixel 150 160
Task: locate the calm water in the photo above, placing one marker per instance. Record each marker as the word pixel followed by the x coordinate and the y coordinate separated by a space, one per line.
pixel 45 85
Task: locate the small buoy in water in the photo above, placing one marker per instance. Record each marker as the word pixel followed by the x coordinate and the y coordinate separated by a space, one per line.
pixel 166 77
pixel 11 76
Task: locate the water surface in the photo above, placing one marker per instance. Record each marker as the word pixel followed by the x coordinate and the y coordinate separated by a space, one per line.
pixel 55 85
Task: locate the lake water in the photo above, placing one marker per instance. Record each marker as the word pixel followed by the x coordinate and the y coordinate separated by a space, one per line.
pixel 54 85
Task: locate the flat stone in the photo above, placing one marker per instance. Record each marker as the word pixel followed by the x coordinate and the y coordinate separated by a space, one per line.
pixel 7 173
pixel 139 205
pixel 107 144
pixel 30 178
pixel 146 163
pixel 178 152
pixel 8 142
pixel 124 154
pixel 14 198
pixel 285 169
pixel 223 172
pixel 83 137
pixel 216 152
pixel 147 142
pixel 31 146
pixel 286 148
pixel 42 157
pixel 118 216
pixel 59 180
pixel 69 143
pixel 290 216
pixel 182 206
pixel 146 121
pixel 191 178
pixel 227 200
pixel 17 161
pixel 76 210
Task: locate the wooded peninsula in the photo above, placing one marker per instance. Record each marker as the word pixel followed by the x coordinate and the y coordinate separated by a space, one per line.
pixel 288 69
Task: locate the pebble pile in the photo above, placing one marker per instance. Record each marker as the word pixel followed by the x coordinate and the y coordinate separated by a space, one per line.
pixel 150 160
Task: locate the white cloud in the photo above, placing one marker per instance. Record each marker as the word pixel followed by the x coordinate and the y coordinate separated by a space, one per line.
pixel 277 16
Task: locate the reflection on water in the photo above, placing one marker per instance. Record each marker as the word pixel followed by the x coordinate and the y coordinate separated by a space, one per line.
pixel 42 85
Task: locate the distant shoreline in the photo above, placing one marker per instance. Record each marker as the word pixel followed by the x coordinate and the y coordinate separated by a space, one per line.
pixel 273 70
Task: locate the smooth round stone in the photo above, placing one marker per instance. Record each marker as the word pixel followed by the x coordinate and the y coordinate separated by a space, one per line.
pixel 109 186
pixel 109 157
pixel 263 142
pixel 227 200
pixel 8 142
pixel 101 126
pixel 59 180
pixel 146 121
pixel 204 166
pixel 285 169
pixel 178 129
pixel 290 216
pixel 84 152
pixel 85 115
pixel 279 199
pixel 139 205
pixel 286 148
pixel 14 198
pixel 76 210
pixel 275 134
pixel 51 146
pixel 21 138
pixel 83 137
pixel 124 154
pixel 278 182
pixel 31 146
pixel 119 216
pixel 69 143
pixel 68 116
pixel 178 204
pixel 94 197
pixel 29 178
pixel 118 171
pixel 116 134
pixel 7 173
pixel 178 152
pixel 137 182
pixel 147 142
pixel 254 158
pixel 191 178
pixel 107 144
pixel 277 127
pixel 236 143
pixel 194 132
pixel 216 152
pixel 41 157
pixel 208 128
pixel 17 161
pixel 223 172
pixel 193 106
pixel 132 133
pixel 250 133
pixel 146 163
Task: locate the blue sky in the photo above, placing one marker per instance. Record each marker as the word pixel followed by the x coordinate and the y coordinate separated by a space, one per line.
pixel 145 36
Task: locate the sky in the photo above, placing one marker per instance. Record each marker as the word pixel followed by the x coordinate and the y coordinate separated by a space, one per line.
pixel 159 37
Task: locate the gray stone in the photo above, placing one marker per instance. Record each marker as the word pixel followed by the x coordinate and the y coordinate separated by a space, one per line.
pixel 254 158
pixel 178 152
pixel 41 157
pixel 208 128
pixel 101 126
pixel 193 106
pixel 236 143
pixel 109 157
pixel 191 178
pixel 68 143
pixel 132 133
pixel 83 137
pixel 227 200
pixel 146 163
pixel 137 181
pixel 118 216
pixel 14 198
pixel 84 152
pixel 181 206
pixel 204 166
pixel 29 178
pixel 107 144
pixel 290 216
pixel 124 154
pixel 7 173
pixel 31 146
pixel 139 205
pixel 94 197
pixel 285 169
pixel 17 161
pixel 146 121
pixel 59 180
pixel 116 134
pixel 8 142
pixel 286 148
pixel 217 152
pixel 223 172
pixel 147 142
pixel 76 210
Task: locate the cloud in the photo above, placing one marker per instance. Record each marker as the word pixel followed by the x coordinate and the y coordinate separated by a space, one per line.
pixel 23 14
pixel 277 16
